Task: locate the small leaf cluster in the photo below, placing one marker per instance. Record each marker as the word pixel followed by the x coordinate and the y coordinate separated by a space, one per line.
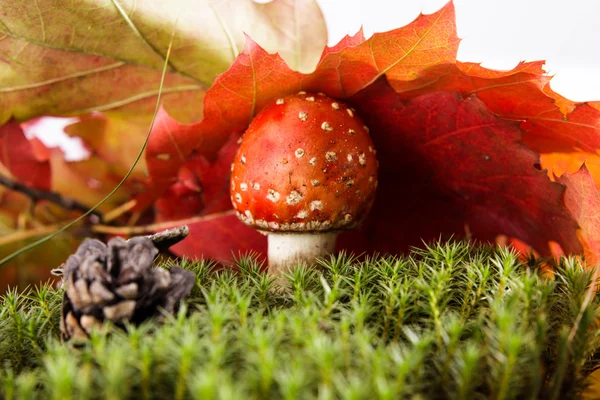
pixel 450 321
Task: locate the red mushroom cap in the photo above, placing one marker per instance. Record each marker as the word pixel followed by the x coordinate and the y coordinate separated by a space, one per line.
pixel 305 163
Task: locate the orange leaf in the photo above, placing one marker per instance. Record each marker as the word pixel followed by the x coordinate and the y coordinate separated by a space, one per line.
pixel 403 55
pixel 582 200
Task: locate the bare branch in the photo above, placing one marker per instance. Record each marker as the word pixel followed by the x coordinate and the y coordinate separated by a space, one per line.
pixel 38 194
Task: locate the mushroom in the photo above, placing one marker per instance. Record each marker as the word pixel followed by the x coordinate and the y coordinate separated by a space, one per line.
pixel 305 170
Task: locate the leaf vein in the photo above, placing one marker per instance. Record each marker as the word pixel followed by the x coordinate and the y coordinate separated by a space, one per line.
pixel 62 78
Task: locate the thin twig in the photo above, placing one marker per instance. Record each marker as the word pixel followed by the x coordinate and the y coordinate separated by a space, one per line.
pixel 138 230
pixel 36 194
pixel 120 210
pixel 113 230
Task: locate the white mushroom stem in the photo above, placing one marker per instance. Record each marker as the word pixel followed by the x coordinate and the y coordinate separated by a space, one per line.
pixel 288 250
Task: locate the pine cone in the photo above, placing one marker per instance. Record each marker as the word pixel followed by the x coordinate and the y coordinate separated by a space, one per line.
pixel 117 282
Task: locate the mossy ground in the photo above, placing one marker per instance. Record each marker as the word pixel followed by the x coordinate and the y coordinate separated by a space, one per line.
pixel 452 321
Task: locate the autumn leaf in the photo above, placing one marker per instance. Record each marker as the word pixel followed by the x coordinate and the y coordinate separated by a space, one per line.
pixel 115 49
pixel 200 188
pixel 17 216
pixel 551 123
pixel 85 57
pixel 26 160
pixel 402 54
pixel 65 58
pixel 449 165
pixel 584 204
pixel 464 151
pixel 103 138
pixel 22 221
pixel 450 138
pixel 221 238
pixel 570 162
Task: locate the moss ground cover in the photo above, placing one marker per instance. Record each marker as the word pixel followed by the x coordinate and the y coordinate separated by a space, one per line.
pixel 451 320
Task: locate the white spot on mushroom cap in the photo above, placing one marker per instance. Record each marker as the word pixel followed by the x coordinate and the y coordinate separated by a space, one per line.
pixel 256 186
pixel 349 111
pixel 302 214
pixel 232 166
pixel 326 126
pixel 243 186
pixel 279 101
pixel 331 156
pixel 232 185
pixel 243 159
pixel 302 92
pixel 316 205
pixel 293 198
pixel 239 141
pixel 238 197
pixel 350 183
pixel 349 158
pixel 273 195
pixel 348 217
pixel 372 150
pixel 262 223
pixel 299 152
pixel 310 98
pixel 315 182
pixel 362 159
pixel 366 128
pixel 335 106
pixel 273 225
pixel 303 115
pixel 370 179
pixel 313 161
pixel 249 216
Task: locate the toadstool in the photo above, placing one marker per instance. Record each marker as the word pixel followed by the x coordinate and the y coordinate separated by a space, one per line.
pixel 305 170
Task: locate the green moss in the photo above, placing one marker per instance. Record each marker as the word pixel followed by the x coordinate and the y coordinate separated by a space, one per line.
pixel 450 321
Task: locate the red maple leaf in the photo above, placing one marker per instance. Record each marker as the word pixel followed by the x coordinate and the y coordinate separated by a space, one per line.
pixel 27 160
pixel 459 144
